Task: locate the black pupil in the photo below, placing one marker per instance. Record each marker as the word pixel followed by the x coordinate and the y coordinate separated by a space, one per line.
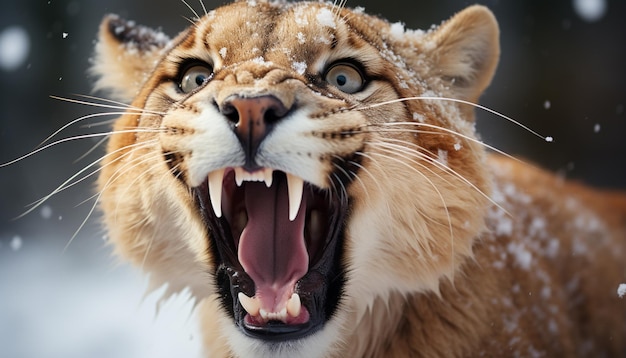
pixel 341 80
pixel 200 79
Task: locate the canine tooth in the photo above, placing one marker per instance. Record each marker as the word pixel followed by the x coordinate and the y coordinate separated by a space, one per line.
pixel 239 175
pixel 268 178
pixel 294 305
pixel 295 185
pixel 250 304
pixel 215 191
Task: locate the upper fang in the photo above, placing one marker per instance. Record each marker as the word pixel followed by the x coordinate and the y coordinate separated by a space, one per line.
pixel 215 191
pixel 295 186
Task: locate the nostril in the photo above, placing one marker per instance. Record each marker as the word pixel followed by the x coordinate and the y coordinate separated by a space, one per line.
pixel 230 112
pixel 274 114
pixel 276 111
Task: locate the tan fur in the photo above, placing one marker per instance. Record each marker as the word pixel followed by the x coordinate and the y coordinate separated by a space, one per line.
pixel 448 251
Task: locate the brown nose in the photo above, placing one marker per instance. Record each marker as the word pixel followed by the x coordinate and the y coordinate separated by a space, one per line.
pixel 254 118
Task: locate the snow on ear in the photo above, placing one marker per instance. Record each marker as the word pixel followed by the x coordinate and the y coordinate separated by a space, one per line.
pixel 125 55
pixel 466 52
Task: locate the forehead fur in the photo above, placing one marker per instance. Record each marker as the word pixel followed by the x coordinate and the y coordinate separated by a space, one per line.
pixel 290 34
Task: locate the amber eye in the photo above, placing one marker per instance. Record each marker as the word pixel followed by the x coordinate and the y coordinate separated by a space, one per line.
pixel 345 76
pixel 194 77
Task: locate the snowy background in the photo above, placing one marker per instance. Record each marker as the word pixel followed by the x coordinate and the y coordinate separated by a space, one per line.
pixel 561 73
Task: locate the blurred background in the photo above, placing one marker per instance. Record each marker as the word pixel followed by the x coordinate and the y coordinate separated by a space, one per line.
pixel 562 73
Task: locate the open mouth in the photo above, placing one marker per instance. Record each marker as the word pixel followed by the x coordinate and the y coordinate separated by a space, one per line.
pixel 278 244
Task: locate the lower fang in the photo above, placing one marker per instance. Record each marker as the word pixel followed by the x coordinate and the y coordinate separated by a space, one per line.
pixel 294 305
pixel 250 304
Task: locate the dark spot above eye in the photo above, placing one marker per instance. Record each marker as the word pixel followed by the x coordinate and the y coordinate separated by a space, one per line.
pixel 334 43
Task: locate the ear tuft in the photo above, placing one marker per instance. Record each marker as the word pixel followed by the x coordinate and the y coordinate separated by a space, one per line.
pixel 131 34
pixel 125 55
pixel 466 51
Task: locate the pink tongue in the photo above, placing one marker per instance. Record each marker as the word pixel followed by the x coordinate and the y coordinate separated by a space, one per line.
pixel 272 250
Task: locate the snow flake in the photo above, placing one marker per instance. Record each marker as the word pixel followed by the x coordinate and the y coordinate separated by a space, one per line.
pixel 504 224
pixel 326 18
pixel 590 10
pixel 300 17
pixel 596 128
pixel 523 257
pixel 65 34
pixel 223 51
pixel 621 290
pixel 397 29
pixel 442 157
pixel 537 226
pixel 419 117
pixel 553 327
pixel 299 67
pixel 261 61
pixel 16 243
pixel 14 47
pixel 46 212
pixel 323 39
pixel 547 104
pixel 553 248
pixel 301 38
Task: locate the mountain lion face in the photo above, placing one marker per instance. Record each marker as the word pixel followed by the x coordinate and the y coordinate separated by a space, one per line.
pixel 293 163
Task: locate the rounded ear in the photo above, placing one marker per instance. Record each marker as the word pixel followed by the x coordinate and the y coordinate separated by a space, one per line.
pixel 125 56
pixel 465 52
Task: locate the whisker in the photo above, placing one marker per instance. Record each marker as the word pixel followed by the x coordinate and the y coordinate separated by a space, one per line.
pixel 434 187
pixel 353 174
pixel 137 147
pixel 433 160
pixel 69 139
pixel 191 21
pixel 443 129
pixel 97 198
pixel 118 105
pixel 101 99
pixel 336 10
pixel 64 127
pixel 91 150
pixel 68 183
pixel 476 105
pixel 343 194
pixel 101 123
pixel 191 8
pixel 344 190
pixel 203 7
pixel 361 167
